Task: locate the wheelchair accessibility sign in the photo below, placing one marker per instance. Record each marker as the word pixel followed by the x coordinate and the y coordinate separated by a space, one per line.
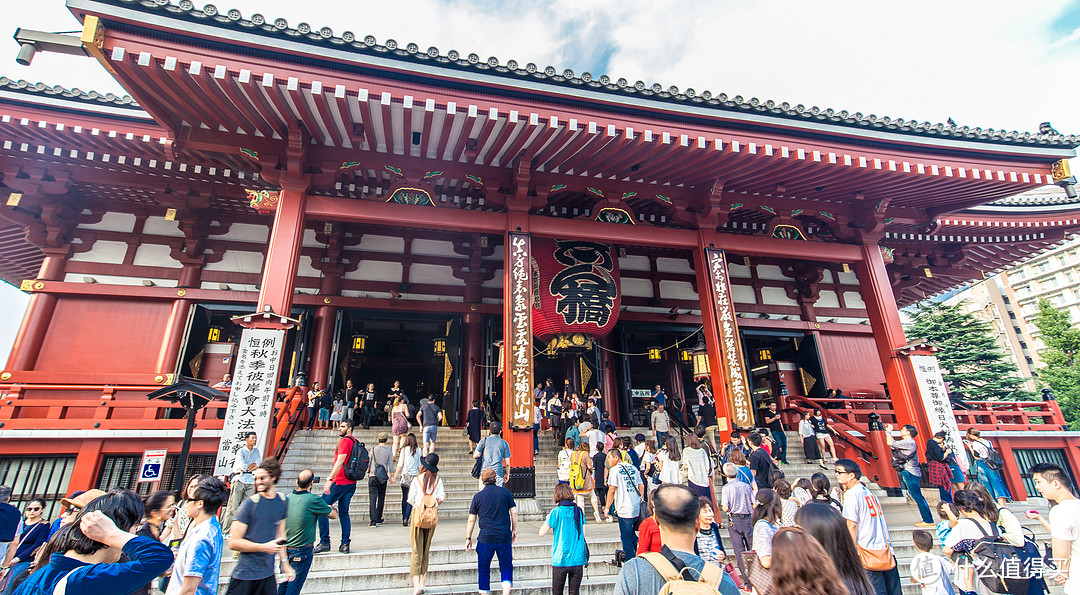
pixel 153 465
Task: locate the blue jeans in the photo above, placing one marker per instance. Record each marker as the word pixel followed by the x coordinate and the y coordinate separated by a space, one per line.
pixel 484 553
pixel 885 582
pixel 536 437
pixel 912 484
pixel 13 573
pixel 342 494
pixel 628 537
pixel 781 446
pixel 300 560
pixel 661 439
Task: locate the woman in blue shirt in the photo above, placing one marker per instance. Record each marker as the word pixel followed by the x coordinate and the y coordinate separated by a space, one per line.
pixel 85 553
pixel 568 549
pixel 35 532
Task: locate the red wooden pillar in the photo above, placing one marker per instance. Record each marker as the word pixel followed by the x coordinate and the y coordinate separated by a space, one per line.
pixel 472 337
pixel 889 335
pixel 1011 472
pixel 609 388
pixel 711 332
pixel 325 317
pixel 174 335
pixel 39 312
pixel 84 475
pixel 283 254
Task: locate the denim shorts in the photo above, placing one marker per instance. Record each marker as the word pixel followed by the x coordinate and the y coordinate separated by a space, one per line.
pixel 324 414
pixel 430 432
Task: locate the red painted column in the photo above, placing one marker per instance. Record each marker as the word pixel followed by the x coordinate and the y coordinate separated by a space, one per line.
pixel 39 312
pixel 283 255
pixel 711 332
pixel 319 372
pixel 1011 472
pixel 174 335
pixel 84 475
pixel 609 388
pixel 472 337
pixel 889 335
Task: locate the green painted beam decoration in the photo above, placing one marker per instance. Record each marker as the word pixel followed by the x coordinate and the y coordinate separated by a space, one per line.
pixel 796 212
pixel 250 153
pixel 628 195
pixel 557 187
pixel 827 215
pixel 432 174
pixel 349 164
pixel 735 206
pixel 397 171
pixel 477 180
pixel 666 199
pixel 768 209
pixel 788 232
pixel 615 215
pixel 411 196
pixel 596 191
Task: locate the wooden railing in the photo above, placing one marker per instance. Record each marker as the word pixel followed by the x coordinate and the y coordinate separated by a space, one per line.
pixel 100 407
pixel 1015 416
pixel 288 418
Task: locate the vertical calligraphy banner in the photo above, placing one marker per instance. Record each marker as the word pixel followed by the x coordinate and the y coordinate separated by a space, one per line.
pixel 935 397
pixel 520 340
pixel 731 353
pixel 251 401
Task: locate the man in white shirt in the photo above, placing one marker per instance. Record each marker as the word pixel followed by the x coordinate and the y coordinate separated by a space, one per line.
pixel 625 490
pixel 866 522
pixel 243 482
pixel 595 436
pixel 1053 483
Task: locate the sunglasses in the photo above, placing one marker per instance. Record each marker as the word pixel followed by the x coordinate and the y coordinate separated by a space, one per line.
pixel 34 509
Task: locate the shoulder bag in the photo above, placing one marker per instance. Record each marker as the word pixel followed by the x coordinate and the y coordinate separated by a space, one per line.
pixel 760 577
pixel 876 560
pixel 478 466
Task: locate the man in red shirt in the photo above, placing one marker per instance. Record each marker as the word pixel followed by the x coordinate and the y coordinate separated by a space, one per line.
pixel 338 489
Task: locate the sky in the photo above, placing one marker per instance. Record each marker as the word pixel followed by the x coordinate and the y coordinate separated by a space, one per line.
pixel 988 63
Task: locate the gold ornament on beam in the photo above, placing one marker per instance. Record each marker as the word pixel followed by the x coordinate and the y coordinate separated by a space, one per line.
pixel 586 374
pixel 447 371
pixel 808 381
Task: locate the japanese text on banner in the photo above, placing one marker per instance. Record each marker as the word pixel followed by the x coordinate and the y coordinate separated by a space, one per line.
pixel 935 398
pixel 251 401
pixel 521 360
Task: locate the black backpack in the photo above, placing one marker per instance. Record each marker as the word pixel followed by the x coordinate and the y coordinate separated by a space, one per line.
pixel 996 563
pixel 356 465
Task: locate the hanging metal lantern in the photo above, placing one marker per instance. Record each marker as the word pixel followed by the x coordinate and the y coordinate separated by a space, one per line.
pixel 685 355
pixel 214 335
pixel 764 354
pixel 701 361
pixel 359 343
pixel 654 354
pixel 440 346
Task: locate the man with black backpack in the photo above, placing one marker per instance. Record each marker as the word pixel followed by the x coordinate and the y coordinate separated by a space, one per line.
pixel 382 457
pixel 350 465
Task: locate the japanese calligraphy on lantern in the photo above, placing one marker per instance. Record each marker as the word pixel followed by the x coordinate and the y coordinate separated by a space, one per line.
pixel 251 401
pixel 520 334
pixel 730 344
pixel 585 289
pixel 935 398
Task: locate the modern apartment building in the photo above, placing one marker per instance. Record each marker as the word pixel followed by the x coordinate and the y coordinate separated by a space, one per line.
pixel 1009 300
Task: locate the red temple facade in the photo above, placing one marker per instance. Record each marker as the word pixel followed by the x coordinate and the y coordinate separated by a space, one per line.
pixel 368 191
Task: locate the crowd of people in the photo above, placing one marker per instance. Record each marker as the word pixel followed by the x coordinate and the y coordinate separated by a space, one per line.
pixel 725 515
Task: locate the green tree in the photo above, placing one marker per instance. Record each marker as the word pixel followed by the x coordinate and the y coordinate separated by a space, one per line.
pixel 972 363
pixel 1060 370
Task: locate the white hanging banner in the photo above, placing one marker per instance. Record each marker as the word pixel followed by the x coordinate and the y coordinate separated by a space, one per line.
pixel 935 396
pixel 251 401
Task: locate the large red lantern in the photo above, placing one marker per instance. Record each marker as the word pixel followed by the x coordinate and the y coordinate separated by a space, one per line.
pixel 577 292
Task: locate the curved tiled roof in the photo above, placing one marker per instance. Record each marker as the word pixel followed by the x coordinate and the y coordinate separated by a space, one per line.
pixel 348 41
pixel 90 97
pixel 1046 196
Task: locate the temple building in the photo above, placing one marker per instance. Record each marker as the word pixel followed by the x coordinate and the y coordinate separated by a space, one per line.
pixel 470 227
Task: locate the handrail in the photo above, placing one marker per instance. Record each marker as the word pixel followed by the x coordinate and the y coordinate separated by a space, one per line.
pixel 295 405
pixel 862 445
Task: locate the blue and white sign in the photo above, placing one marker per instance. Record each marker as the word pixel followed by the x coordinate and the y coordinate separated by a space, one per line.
pixel 152 466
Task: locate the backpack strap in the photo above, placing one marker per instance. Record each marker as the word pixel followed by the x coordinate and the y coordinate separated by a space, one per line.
pixel 711 575
pixel 662 565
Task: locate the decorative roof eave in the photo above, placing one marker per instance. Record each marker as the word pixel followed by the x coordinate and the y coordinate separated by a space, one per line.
pixel 184 19
pixel 71 99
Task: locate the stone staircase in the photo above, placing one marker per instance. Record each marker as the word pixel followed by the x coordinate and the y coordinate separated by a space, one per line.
pixel 382 566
